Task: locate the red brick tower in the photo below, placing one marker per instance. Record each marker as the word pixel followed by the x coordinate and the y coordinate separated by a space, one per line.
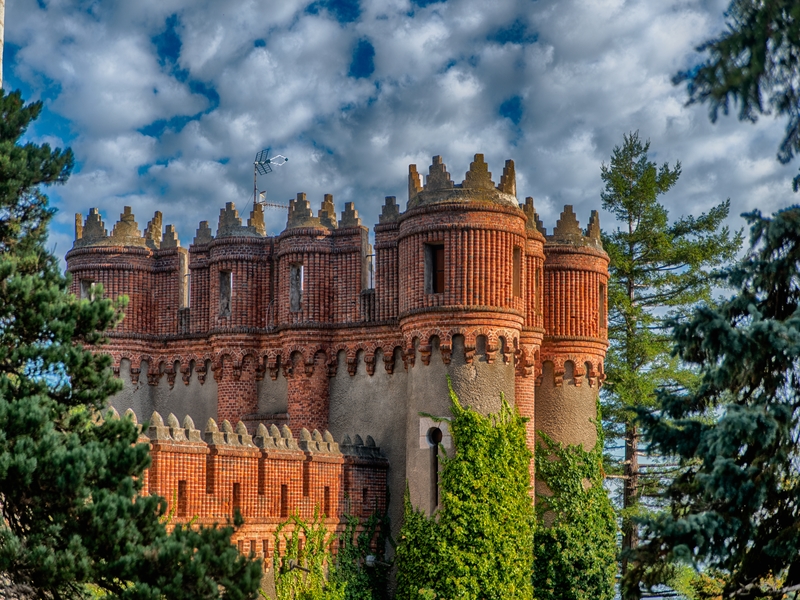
pixel 470 241
pixel 149 269
pixel 576 331
pixel 533 330
pixel 321 268
pixel 238 276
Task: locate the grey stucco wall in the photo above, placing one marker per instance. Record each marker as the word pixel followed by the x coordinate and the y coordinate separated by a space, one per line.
pixel 196 400
pixel 137 397
pixel 374 405
pixel 273 395
pixel 477 385
pixel 566 413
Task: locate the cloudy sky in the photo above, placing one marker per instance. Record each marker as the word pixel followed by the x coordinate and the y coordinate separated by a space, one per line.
pixel 166 102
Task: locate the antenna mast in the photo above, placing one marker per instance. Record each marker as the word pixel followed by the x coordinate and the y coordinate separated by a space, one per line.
pixel 263 165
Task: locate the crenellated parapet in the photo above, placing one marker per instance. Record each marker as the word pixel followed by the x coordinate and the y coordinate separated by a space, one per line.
pixel 205 476
pixel 476 186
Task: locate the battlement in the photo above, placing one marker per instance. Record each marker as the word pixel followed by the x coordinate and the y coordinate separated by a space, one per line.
pixel 568 230
pixel 92 231
pixel 476 186
pixel 205 476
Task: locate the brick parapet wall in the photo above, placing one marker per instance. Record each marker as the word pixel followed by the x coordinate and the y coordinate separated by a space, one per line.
pixel 268 477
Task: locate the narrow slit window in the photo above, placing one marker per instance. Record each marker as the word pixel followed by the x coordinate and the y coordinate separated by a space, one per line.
pixel 210 472
pixel 265 548
pixel 434 268
pixel 517 283
pixel 183 498
pixel 284 501
pixel 306 480
pixel 538 284
pixel 296 284
pixel 603 306
pixel 225 292
pixel 237 497
pixel 326 507
pixel 183 280
pixel 435 436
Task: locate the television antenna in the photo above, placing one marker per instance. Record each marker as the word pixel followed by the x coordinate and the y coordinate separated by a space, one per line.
pixel 262 165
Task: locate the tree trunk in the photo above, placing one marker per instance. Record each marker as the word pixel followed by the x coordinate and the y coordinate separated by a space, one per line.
pixel 630 496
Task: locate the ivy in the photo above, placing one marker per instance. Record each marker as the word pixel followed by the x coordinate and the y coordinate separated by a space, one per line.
pixel 308 570
pixel 479 544
pixel 575 548
pixel 357 542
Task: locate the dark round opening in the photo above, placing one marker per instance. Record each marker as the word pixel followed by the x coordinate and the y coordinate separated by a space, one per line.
pixel 435 436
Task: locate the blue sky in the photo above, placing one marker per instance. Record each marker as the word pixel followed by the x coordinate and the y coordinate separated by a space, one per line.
pixel 165 103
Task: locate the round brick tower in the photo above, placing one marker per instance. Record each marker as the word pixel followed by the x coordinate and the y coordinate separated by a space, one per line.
pixel 576 331
pixel 462 249
pixel 238 275
pixel 462 299
pixel 149 268
pixel 533 330
pixel 320 276
pixel 303 303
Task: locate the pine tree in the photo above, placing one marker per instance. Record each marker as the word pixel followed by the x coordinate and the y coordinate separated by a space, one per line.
pixel 479 544
pixel 658 268
pixel 735 507
pixel 753 63
pixel 68 484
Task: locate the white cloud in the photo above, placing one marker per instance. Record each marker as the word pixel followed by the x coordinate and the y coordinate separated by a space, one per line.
pixel 598 70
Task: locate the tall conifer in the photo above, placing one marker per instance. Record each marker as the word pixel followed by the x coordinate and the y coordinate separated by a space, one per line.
pixel 734 509
pixel 71 516
pixel 659 268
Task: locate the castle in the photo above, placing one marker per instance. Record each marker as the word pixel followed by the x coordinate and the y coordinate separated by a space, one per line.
pixel 292 339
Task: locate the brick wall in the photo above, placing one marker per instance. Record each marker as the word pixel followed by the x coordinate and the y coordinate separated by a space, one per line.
pixel 205 475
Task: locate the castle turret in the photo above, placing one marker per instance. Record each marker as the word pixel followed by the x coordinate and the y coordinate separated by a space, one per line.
pixel 321 274
pixel 148 267
pixel 462 293
pixel 533 330
pixel 235 269
pixel 576 331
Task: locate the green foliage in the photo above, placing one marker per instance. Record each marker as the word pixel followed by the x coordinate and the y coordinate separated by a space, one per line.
pixel 658 269
pixel 478 545
pixel 575 545
pixel 696 586
pixel 68 485
pixel 357 542
pixel 735 508
pixel 418 567
pixel 300 572
pixel 309 570
pixel 753 63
